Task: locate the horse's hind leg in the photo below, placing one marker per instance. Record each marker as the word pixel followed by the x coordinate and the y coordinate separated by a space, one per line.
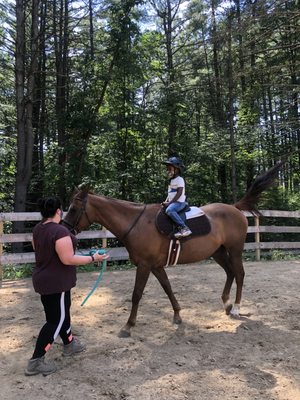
pixel 236 262
pixel 141 278
pixel 222 258
pixel 163 279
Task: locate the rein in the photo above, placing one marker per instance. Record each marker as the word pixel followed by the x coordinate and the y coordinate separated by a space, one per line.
pixel 97 282
pixel 133 225
pixel 82 211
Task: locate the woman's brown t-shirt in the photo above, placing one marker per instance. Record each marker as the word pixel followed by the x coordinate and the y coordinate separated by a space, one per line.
pixel 50 275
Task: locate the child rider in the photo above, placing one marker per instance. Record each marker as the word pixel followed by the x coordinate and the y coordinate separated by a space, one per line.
pixel 176 199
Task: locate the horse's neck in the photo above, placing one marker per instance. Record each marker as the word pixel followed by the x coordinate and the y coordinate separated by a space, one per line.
pixel 116 215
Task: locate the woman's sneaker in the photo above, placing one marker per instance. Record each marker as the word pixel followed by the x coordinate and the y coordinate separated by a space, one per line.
pixel 39 366
pixel 73 348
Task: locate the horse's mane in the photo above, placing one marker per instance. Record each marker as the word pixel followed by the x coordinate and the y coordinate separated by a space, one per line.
pixel 260 184
pixel 115 200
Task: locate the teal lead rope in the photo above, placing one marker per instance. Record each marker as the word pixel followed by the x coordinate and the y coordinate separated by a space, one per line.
pixel 96 284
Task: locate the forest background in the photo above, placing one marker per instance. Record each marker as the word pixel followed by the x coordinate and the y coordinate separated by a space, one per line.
pixel 101 91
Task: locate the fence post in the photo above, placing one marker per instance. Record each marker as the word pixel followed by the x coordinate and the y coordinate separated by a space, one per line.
pixel 104 240
pixel 1 253
pixel 257 239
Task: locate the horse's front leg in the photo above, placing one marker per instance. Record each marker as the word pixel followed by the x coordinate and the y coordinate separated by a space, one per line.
pixel 141 278
pixel 163 279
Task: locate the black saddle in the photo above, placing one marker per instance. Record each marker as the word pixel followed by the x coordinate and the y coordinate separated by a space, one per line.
pixel 198 225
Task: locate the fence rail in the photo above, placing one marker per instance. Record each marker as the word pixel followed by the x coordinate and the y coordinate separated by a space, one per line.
pixel 120 253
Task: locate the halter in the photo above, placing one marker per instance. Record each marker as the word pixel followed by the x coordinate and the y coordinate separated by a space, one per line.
pixel 82 211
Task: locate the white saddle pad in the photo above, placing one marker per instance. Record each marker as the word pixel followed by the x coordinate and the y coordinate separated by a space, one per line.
pixel 194 212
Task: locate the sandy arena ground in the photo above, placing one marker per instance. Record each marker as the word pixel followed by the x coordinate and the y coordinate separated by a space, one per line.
pixel 209 357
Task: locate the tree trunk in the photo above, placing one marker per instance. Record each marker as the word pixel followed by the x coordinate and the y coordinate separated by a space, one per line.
pixel 218 98
pixel 39 113
pixel 171 95
pixel 240 49
pixel 25 87
pixel 167 12
pixel 231 112
pixel 91 22
pixel 61 35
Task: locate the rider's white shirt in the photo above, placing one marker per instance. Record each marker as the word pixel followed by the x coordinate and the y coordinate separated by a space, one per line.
pixel 174 184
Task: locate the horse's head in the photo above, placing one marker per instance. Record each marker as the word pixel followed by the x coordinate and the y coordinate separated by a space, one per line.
pixel 77 218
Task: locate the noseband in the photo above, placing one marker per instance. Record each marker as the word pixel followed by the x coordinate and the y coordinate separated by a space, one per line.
pixel 80 212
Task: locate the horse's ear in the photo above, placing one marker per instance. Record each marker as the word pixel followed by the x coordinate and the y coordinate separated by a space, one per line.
pixel 74 193
pixel 84 189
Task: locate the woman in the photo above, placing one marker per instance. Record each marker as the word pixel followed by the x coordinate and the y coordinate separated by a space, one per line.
pixel 53 277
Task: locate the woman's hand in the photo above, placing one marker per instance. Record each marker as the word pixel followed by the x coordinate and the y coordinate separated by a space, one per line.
pixel 64 249
pixel 100 257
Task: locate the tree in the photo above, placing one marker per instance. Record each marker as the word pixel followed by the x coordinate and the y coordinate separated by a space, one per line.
pixel 103 96
pixel 7 112
pixel 26 60
pixel 168 12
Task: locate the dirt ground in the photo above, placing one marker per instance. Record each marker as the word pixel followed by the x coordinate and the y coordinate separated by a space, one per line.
pixel 209 357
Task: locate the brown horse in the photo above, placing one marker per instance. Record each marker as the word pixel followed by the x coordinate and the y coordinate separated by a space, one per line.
pixel 134 225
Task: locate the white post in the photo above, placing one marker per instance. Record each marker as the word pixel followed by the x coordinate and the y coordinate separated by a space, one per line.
pixel 104 240
pixel 257 239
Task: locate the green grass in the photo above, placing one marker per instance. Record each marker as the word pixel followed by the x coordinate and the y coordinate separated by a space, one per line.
pixel 272 255
pixel 21 271
pixel 17 271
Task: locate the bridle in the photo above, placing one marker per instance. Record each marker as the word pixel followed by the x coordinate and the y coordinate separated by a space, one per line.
pixel 79 213
pixel 82 211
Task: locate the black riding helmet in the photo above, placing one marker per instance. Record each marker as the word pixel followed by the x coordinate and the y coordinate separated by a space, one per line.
pixel 175 162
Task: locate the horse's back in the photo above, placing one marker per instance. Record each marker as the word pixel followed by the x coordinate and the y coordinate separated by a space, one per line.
pixel 228 228
pixel 228 221
pixel 224 211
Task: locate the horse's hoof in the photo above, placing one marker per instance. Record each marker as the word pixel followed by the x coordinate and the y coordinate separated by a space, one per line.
pixel 235 316
pixel 124 334
pixel 235 312
pixel 228 309
pixel 177 320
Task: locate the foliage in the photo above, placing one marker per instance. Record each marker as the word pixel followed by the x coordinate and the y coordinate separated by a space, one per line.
pixel 7 121
pixel 272 255
pixel 17 271
pixel 216 82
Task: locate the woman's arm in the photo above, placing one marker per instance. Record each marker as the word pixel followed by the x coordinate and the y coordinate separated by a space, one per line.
pixel 64 249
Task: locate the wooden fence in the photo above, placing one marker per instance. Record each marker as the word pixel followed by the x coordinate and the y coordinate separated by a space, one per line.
pixel 120 253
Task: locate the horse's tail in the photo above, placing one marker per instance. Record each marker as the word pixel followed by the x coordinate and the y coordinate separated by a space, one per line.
pixel 261 183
